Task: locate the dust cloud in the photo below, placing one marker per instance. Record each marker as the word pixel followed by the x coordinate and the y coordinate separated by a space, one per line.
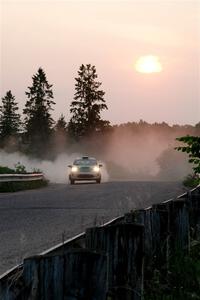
pixel 55 171
pixel 147 156
pixel 127 152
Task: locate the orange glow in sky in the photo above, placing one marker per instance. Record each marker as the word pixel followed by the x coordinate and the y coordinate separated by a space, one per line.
pixel 148 64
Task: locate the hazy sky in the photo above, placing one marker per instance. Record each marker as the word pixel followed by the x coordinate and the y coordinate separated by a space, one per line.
pixel 61 35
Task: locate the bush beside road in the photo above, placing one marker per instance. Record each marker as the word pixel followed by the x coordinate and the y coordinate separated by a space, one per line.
pixel 14 186
pixel 18 179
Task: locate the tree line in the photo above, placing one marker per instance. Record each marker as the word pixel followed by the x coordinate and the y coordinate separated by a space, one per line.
pixel 35 131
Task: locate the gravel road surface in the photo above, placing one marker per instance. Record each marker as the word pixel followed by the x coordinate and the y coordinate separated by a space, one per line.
pixel 32 221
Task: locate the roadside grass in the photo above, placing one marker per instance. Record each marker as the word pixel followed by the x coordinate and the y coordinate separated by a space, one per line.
pixel 180 282
pixel 6 187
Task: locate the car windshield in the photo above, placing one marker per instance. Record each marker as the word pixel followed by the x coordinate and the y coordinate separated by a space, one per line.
pixel 88 162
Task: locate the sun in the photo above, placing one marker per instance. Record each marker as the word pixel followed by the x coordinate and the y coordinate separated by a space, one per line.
pixel 148 64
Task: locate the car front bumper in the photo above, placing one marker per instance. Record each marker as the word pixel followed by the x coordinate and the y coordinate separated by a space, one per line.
pixel 85 176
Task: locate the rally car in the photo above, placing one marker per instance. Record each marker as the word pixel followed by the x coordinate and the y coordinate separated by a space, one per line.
pixel 85 168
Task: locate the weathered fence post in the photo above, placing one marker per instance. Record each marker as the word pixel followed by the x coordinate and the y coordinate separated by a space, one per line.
pixel 156 231
pixel 85 275
pixel 31 278
pixel 159 235
pixel 51 272
pixel 43 278
pixel 179 225
pixel 144 217
pixel 79 274
pixel 170 229
pixel 123 243
pixel 194 208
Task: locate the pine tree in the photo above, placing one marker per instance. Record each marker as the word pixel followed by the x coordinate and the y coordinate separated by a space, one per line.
pixel 88 104
pixel 61 125
pixel 9 118
pixel 38 120
pixel 60 137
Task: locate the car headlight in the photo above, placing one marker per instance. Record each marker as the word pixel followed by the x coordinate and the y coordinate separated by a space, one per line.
pixel 96 169
pixel 74 169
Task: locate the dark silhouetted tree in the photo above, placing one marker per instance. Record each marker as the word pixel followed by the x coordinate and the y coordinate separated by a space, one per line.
pixel 61 125
pixel 9 119
pixel 38 120
pixel 88 104
pixel 60 135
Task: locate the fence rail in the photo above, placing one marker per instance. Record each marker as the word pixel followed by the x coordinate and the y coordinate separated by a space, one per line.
pixel 21 177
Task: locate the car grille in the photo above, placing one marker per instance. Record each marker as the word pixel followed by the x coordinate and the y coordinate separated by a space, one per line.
pixel 84 169
pixel 85 176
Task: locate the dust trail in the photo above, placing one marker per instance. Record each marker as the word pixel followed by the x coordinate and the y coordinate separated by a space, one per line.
pixel 55 171
pixel 149 155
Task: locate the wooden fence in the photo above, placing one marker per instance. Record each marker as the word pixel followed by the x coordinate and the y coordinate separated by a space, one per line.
pixel 110 262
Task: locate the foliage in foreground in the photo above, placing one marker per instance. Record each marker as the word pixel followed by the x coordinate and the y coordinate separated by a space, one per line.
pixel 192 148
pixel 182 281
pixel 191 181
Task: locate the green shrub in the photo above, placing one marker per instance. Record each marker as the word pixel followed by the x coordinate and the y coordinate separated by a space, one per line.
pixel 6 170
pixel 20 169
pixel 191 181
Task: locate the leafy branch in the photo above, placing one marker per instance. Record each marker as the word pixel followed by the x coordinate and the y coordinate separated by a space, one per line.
pixel 192 148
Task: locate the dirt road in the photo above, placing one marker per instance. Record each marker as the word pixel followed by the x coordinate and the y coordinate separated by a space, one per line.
pixel 33 221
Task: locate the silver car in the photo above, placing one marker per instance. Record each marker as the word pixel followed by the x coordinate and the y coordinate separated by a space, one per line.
pixel 85 168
